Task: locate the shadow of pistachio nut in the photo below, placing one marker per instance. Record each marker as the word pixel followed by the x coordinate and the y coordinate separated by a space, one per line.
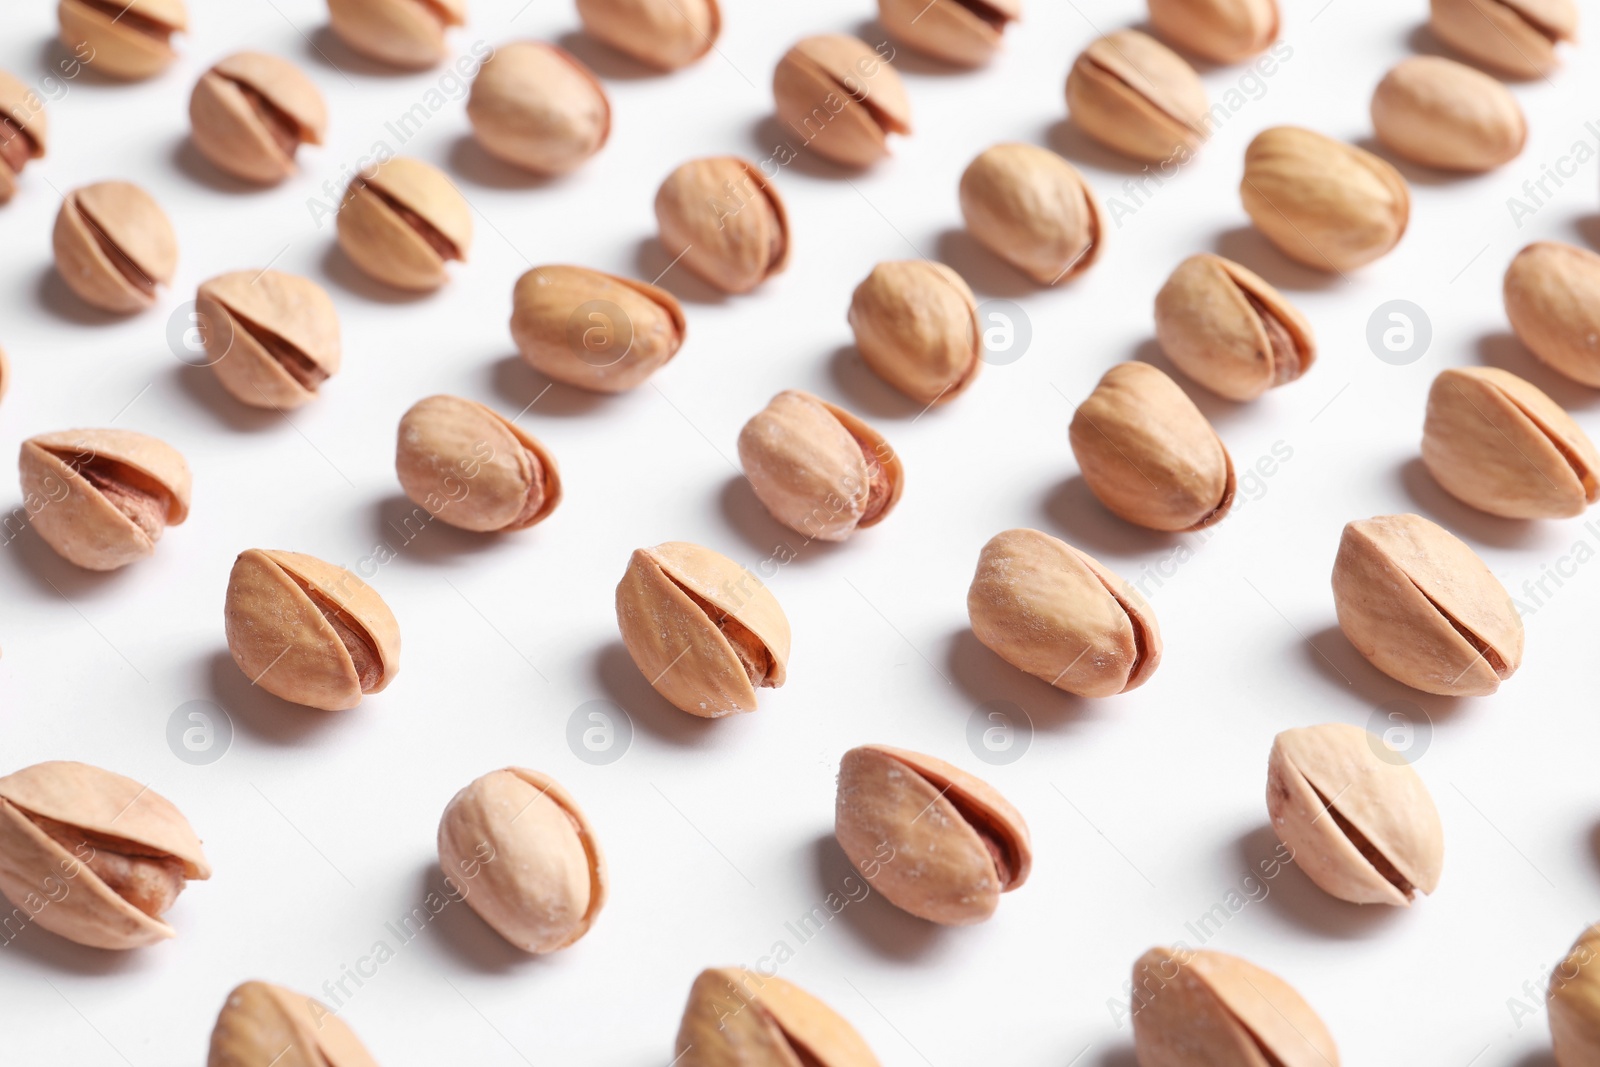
pixel 966 33
pixel 308 631
pixel 841 98
pixel 1515 37
pixel 741 1018
pixel 1055 612
pixel 594 330
pixel 24 130
pixel 264 1025
pixel 1574 1003
pixel 126 39
pixel 472 468
pixel 1381 843
pixel 702 629
pixel 271 338
pixel 114 246
pixel 1499 444
pixel 1132 93
pixel 725 221
pixel 1423 608
pixel 1034 210
pixel 109 855
pixel 121 491
pixel 1444 114
pixel 402 221
pixel 934 840
pixel 402 33
pixel 1224 326
pixel 251 112
pixel 541 879
pixel 536 106
pixel 1198 1008
pixel 1223 31
pixel 916 325
pixel 663 34
pixel 1324 203
pixel 1552 297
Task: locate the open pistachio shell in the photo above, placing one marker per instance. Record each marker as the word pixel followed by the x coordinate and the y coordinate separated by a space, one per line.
pixel 271 338
pixel 409 34
pixel 401 222
pixel 841 98
pixel 1137 96
pixel 128 39
pixel 966 33
pixel 263 1025
pixel 738 1018
pixel 1516 37
pixel 24 130
pixel 251 112
pixel 114 246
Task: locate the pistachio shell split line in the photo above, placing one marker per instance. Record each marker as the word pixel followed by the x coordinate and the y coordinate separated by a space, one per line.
pixel 114 246
pixel 124 39
pixel 401 221
pixel 271 338
pixel 1138 97
pixel 963 33
pixel 1518 38
pixel 739 1018
pixel 251 112
pixel 841 98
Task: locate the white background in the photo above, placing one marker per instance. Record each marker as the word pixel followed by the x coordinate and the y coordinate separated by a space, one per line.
pixel 1146 810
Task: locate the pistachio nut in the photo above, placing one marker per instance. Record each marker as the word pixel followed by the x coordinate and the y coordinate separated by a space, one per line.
pixel 841 98
pixel 1444 114
pixel 251 112
pixel 401 33
pixel 114 246
pixel 1516 37
pixel 308 631
pixel 1423 608
pixel 1574 1003
pixel 106 495
pixel 916 326
pixel 1223 31
pixel 1132 93
pixel 1500 444
pixel 467 465
pixel 271 338
pixel 704 630
pixel 92 856
pixel 1034 210
pixel 126 39
pixel 1552 297
pixel 1200 1008
pixel 1055 612
pixel 264 1025
pixel 934 840
pixel 664 34
pixel 594 330
pixel 724 220
pixel 24 128
pixel 526 857
pixel 740 1018
pixel 965 33
pixel 1148 453
pixel 537 107
pixel 1225 327
pixel 1324 203
pixel 402 220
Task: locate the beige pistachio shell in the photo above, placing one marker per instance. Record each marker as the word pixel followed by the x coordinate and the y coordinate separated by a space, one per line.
pixel 1421 605
pixel 664 34
pixel 916 326
pixel 250 112
pixel 263 1025
pixel 114 246
pixel 1050 610
pixel 1574 1003
pixel 594 330
pixel 467 465
pixel 105 496
pixel 1501 445
pixel 24 130
pixel 965 34
pixel 1444 114
pixel 724 220
pixel 526 858
pixel 308 631
pixel 1034 210
pixel 702 629
pixel 272 338
pixel 1223 31
pixel 1552 296
pixel 739 1018
pixel 841 98
pixel 402 220
pixel 536 106
pixel 129 40
pixel 403 33
pixel 1133 93
pixel 1324 203
pixel 1515 37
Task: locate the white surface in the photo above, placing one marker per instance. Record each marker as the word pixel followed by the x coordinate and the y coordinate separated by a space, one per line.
pixel 1146 810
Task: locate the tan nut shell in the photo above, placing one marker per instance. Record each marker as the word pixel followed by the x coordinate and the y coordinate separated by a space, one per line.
pixel 21 106
pixel 953 32
pixel 1407 590
pixel 1501 445
pixel 1324 203
pixel 133 44
pixel 677 646
pixel 248 316
pixel 1552 296
pixel 1444 114
pixel 1223 31
pixel 724 220
pixel 441 463
pixel 536 106
pixel 34 867
pixel 137 229
pixel 380 241
pixel 284 644
pixel 841 98
pixel 1133 93
pixel 538 878
pixel 1050 610
pixel 594 330
pixel 1574 1003
pixel 916 326
pixel 738 1018
pixel 403 33
pixel 263 1025
pixel 1516 37
pixel 664 34
pixel 1034 210
pixel 227 129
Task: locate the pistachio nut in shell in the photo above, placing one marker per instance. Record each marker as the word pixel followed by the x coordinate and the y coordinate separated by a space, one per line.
pixel 740 1018
pixel 841 98
pixel 1225 327
pixel 114 246
pixel 1223 31
pixel 1132 93
pixel 1574 1003
pixel 465 464
pixel 24 131
pixel 1552 297
pixel 1034 210
pixel 401 221
pixel 724 220
pixel 702 629
pixel 1499 444
pixel 402 33
pixel 1324 203
pixel 1356 815
pixel 103 498
pixel 1423 608
pixel 819 470
pixel 251 112
pixel 1200 1008
pixel 664 34
pixel 537 107
pixel 966 33
pixel 271 338
pixel 934 840
pixel 1050 610
pixel 1515 37
pixel 308 631
pixel 127 39
pixel 916 326
pixel 1444 114
pixel 92 856
pixel 594 330
pixel 525 857
pixel 265 1025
